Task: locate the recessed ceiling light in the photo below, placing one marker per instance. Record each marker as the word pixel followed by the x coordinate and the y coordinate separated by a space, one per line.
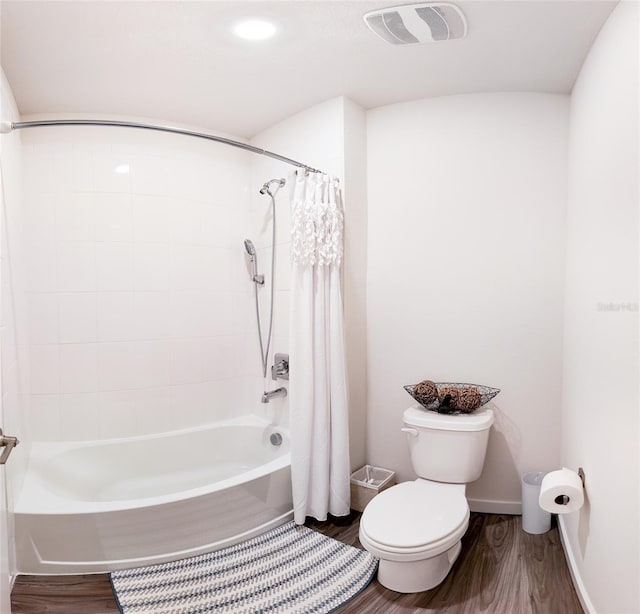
pixel 122 169
pixel 255 29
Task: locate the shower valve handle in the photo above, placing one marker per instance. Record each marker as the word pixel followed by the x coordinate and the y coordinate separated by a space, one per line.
pixel 280 368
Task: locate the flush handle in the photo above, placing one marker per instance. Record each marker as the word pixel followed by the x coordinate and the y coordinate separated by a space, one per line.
pixel 8 443
pixel 409 431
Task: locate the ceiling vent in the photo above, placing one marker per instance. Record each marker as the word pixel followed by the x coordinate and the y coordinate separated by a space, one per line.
pixel 418 23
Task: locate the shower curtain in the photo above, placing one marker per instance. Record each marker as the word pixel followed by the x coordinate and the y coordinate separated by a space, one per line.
pixel 319 422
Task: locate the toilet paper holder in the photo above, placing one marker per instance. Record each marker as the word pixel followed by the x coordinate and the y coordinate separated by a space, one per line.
pixel 563 499
pixel 581 476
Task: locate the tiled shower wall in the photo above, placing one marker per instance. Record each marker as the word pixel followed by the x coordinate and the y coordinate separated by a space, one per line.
pixel 140 306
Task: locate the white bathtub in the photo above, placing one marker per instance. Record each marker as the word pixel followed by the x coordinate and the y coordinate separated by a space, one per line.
pixel 111 504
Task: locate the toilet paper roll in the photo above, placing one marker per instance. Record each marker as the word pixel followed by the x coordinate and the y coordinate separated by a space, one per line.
pixel 561 492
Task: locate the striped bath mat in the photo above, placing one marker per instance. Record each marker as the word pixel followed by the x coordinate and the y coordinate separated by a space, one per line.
pixel 289 569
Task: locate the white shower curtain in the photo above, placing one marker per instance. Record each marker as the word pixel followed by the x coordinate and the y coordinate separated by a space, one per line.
pixel 317 391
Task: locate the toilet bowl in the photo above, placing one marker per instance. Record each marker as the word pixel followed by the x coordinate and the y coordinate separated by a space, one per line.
pixel 415 528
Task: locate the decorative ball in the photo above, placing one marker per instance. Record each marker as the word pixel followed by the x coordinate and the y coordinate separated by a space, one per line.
pixel 425 392
pixel 453 394
pixel 469 400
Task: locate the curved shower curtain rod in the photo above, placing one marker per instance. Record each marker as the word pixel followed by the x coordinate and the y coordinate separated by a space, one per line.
pixel 6 127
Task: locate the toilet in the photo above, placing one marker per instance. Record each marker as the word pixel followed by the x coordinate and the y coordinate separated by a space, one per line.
pixel 415 528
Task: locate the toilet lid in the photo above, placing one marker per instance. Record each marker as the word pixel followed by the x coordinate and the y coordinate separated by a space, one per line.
pixel 414 514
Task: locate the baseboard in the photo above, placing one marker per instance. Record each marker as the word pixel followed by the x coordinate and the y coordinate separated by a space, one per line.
pixel 486 506
pixel 578 584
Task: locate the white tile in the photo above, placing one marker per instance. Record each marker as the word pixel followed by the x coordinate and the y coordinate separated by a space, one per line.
pixel 135 412
pixel 185 314
pixel 190 403
pixel 248 392
pixel 78 367
pixel 75 216
pixel 215 226
pixel 115 316
pixel 45 417
pixel 241 269
pixel 221 395
pixel 218 265
pixel 186 221
pixel 117 413
pixel 76 266
pixel 43 318
pixel 106 175
pixel 45 369
pixel 245 354
pixel 218 355
pixel 72 168
pixel 155 410
pixel 154 358
pixel 188 271
pixel 243 312
pixel 150 316
pixel 148 175
pixel 12 354
pixel 150 266
pixel 283 266
pixel 151 219
pixel 113 217
pixel 40 218
pixel 41 269
pixel 186 361
pixel 200 314
pixel 78 317
pixel 189 177
pixel 214 315
pixel 281 314
pixel 79 416
pixel 117 366
pixel 199 267
pixel 38 166
pixel 134 364
pixel 114 266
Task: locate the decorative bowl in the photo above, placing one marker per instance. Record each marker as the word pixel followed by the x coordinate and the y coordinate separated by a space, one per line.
pixel 486 394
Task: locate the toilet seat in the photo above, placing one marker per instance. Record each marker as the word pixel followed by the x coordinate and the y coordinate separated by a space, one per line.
pixel 415 520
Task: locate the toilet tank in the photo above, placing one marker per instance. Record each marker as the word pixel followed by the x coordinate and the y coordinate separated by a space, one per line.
pixel 447 448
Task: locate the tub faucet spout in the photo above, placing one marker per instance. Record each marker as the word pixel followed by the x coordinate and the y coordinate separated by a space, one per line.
pixel 270 394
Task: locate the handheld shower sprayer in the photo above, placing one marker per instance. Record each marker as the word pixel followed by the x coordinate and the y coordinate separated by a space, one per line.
pixel 251 248
pixel 253 257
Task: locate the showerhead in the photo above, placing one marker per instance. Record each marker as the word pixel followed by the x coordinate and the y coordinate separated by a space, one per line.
pixel 250 247
pixel 265 188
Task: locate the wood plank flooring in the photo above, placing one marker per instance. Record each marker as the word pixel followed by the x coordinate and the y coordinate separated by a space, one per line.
pixel 501 570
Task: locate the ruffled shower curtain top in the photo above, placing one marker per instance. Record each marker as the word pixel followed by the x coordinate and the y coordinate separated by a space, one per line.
pixel 319 418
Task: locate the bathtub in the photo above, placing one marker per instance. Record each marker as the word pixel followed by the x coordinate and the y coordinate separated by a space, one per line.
pixel 98 506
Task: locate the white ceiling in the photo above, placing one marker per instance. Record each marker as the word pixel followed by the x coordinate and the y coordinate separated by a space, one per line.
pixel 179 62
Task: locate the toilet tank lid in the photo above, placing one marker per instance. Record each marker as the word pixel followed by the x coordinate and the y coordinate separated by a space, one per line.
pixel 477 421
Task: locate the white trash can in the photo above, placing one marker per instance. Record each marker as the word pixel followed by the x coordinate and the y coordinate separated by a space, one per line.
pixel 534 519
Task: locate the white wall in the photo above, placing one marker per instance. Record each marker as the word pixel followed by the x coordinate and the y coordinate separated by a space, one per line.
pixel 601 367
pixel 465 272
pixel 329 136
pixel 13 338
pixel 135 312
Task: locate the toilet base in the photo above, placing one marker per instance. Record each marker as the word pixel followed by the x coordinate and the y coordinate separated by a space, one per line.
pixel 417 576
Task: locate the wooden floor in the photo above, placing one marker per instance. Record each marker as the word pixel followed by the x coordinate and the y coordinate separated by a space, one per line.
pixel 501 570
